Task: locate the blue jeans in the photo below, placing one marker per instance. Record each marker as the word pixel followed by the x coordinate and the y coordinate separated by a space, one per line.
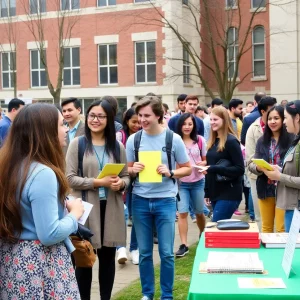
pixel 288 217
pixel 126 220
pixel 163 212
pixel 250 206
pixel 133 241
pixel 191 194
pixel 224 209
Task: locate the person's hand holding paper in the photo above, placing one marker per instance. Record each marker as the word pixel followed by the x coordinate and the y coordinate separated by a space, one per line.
pixel 151 160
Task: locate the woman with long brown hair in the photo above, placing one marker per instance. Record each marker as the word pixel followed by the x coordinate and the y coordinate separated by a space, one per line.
pixel 34 244
pixel 223 182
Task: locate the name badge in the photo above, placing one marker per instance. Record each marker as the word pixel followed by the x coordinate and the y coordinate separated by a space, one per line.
pixel 102 195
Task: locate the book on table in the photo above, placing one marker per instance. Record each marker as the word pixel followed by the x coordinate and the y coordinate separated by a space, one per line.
pixel 233 244
pixel 212 231
pixel 234 262
pixel 276 240
pixel 245 238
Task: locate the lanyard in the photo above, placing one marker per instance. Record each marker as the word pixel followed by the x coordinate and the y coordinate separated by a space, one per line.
pixel 100 162
pixel 273 152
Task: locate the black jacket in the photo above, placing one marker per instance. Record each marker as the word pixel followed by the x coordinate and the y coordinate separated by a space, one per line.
pixel 233 189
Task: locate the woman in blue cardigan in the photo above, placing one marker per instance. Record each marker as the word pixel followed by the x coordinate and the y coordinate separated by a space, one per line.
pixel 35 219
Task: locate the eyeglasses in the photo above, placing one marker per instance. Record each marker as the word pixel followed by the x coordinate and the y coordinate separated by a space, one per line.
pixel 91 117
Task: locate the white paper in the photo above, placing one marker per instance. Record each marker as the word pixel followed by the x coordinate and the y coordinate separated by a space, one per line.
pixel 201 168
pixel 87 209
pixel 261 283
pixel 291 244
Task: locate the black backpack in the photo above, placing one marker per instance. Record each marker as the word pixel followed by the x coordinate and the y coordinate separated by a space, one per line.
pixel 169 143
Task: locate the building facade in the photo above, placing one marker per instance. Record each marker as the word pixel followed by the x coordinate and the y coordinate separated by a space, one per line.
pixel 116 47
pixel 123 48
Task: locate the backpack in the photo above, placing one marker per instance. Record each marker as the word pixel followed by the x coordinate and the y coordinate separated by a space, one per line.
pixel 169 143
pixel 199 143
pixel 82 142
pixel 123 137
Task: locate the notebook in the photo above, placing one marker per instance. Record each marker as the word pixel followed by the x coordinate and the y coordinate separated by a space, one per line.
pixel 276 240
pixel 234 262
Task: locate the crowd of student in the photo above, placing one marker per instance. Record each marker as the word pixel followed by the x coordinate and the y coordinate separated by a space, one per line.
pixel 206 161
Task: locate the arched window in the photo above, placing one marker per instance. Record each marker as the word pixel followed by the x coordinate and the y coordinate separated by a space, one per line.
pixel 232 50
pixel 258 51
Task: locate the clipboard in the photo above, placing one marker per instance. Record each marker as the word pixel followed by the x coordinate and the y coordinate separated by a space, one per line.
pixel 110 170
pixel 262 163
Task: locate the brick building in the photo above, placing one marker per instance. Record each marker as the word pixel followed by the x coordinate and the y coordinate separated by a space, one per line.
pixel 120 48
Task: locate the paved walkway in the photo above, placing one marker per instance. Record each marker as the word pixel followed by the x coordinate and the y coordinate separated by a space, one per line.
pixel 127 273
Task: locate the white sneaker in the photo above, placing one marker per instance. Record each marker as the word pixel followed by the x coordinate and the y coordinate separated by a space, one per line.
pixel 135 255
pixel 122 256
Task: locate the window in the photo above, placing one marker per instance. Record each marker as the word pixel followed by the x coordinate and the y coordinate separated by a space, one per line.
pixel 231 3
pixel 70 4
pixel 8 63
pixel 186 66
pixel 137 1
pixel 8 8
pixel 185 2
pixel 38 73
pixel 108 65
pixel 145 62
pixel 106 2
pixel 258 3
pixel 232 50
pixel 258 42
pixel 37 6
pixel 71 66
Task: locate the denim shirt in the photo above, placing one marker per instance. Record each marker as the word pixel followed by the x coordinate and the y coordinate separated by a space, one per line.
pixel 42 213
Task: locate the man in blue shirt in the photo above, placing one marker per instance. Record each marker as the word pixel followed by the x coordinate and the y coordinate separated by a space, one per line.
pixel 249 119
pixel 191 103
pixel 14 106
pixel 71 110
pixel 156 201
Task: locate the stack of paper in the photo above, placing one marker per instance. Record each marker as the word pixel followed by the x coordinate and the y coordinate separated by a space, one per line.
pixel 234 262
pixel 276 240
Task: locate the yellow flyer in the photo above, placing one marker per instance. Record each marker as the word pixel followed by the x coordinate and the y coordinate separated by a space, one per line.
pixel 110 170
pixel 151 160
pixel 262 163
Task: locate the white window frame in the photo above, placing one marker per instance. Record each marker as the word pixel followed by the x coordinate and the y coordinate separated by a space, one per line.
pixel 107 4
pixel 145 63
pixel 256 7
pixel 38 2
pixel 108 66
pixel 70 5
pixel 71 68
pixel 8 6
pixel 9 71
pixel 39 69
pixel 253 47
pixel 186 64
pixel 235 46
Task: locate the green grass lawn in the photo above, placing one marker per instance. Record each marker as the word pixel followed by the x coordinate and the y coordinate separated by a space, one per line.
pixel 183 271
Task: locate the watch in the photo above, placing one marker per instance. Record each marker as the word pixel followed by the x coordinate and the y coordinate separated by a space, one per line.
pixel 171 174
